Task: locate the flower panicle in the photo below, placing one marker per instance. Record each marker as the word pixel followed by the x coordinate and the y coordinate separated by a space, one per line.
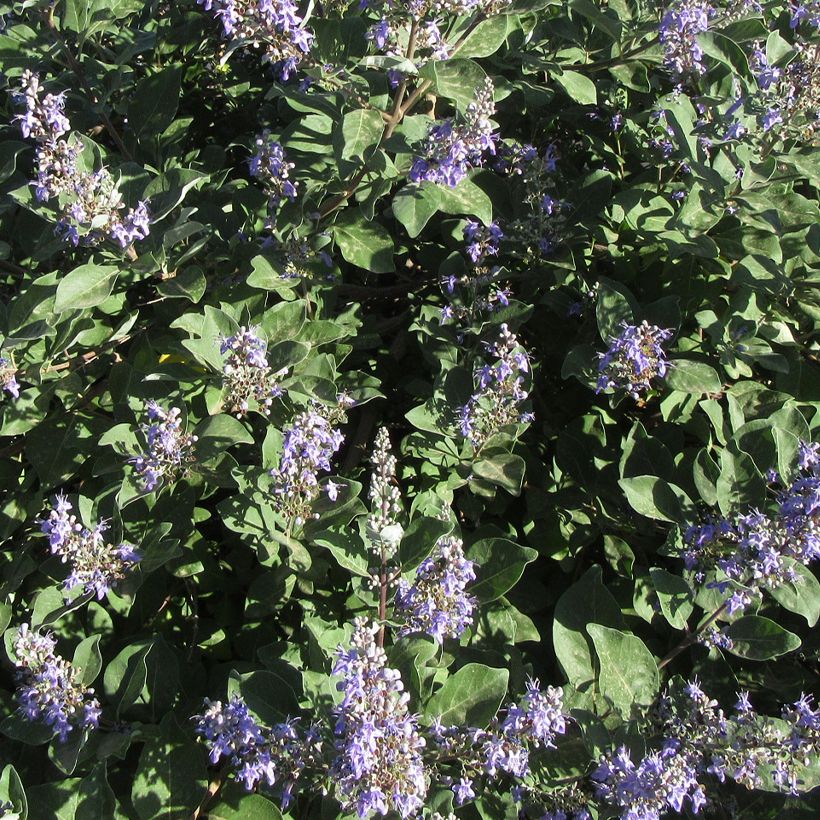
pixel 169 449
pixel 50 688
pixel 97 565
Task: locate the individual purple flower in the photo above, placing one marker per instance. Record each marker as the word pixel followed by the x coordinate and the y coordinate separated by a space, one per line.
pixel 437 602
pixel 49 688
pixel 8 377
pixel 169 451
pixel 463 791
pixel 379 34
pixel 246 374
pixel 454 148
pixel 134 225
pixel 766 75
pixel 270 166
pixel 635 357
pixel 378 765
pixel 771 118
pixel 97 565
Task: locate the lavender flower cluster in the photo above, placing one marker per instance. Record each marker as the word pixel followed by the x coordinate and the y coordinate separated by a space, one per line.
pixel 94 209
pixel 96 565
pixel 170 449
pixel 540 230
pixel 635 357
pixel 428 17
pixel 379 765
pixel 744 746
pixel 482 240
pixel 453 148
pixel 274 24
pixel 50 688
pixel 504 747
pixel 662 780
pixel 246 374
pixel 278 755
pixel 500 391
pixel 476 293
pixel 272 169
pixel 8 378
pixel 309 445
pixel 473 296
pixel 437 602
pixel 789 96
pixel 755 550
pixel 808 12
pixel 680 25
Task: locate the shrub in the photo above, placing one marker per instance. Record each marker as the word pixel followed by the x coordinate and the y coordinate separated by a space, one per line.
pixel 408 408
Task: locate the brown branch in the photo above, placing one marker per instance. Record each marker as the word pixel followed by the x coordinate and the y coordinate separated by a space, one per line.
pixel 76 67
pixel 692 637
pixel 400 110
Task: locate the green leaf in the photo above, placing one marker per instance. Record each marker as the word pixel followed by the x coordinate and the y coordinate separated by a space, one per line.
pixel 499 565
pixel 693 377
pixel 87 16
pixel 269 695
pixel 674 595
pixel 88 658
pixel 419 540
pixel 154 102
pixel 487 37
pixel 802 596
pixel 471 697
pixel 629 674
pixel 612 309
pixel 96 797
pixel 125 677
pixel 456 79
pixel 578 87
pixel 218 432
pixel 411 656
pixel 12 792
pixel 236 804
pixel 586 602
pixel 349 550
pixel 414 205
pixel 760 639
pixel 364 244
pixel 85 287
pixel 505 470
pixel 172 773
pixel 188 284
pixel 358 132
pixel 466 198
pixel 741 484
pixel 657 499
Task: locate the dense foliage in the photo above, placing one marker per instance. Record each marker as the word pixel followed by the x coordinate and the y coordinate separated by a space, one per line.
pixel 407 408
